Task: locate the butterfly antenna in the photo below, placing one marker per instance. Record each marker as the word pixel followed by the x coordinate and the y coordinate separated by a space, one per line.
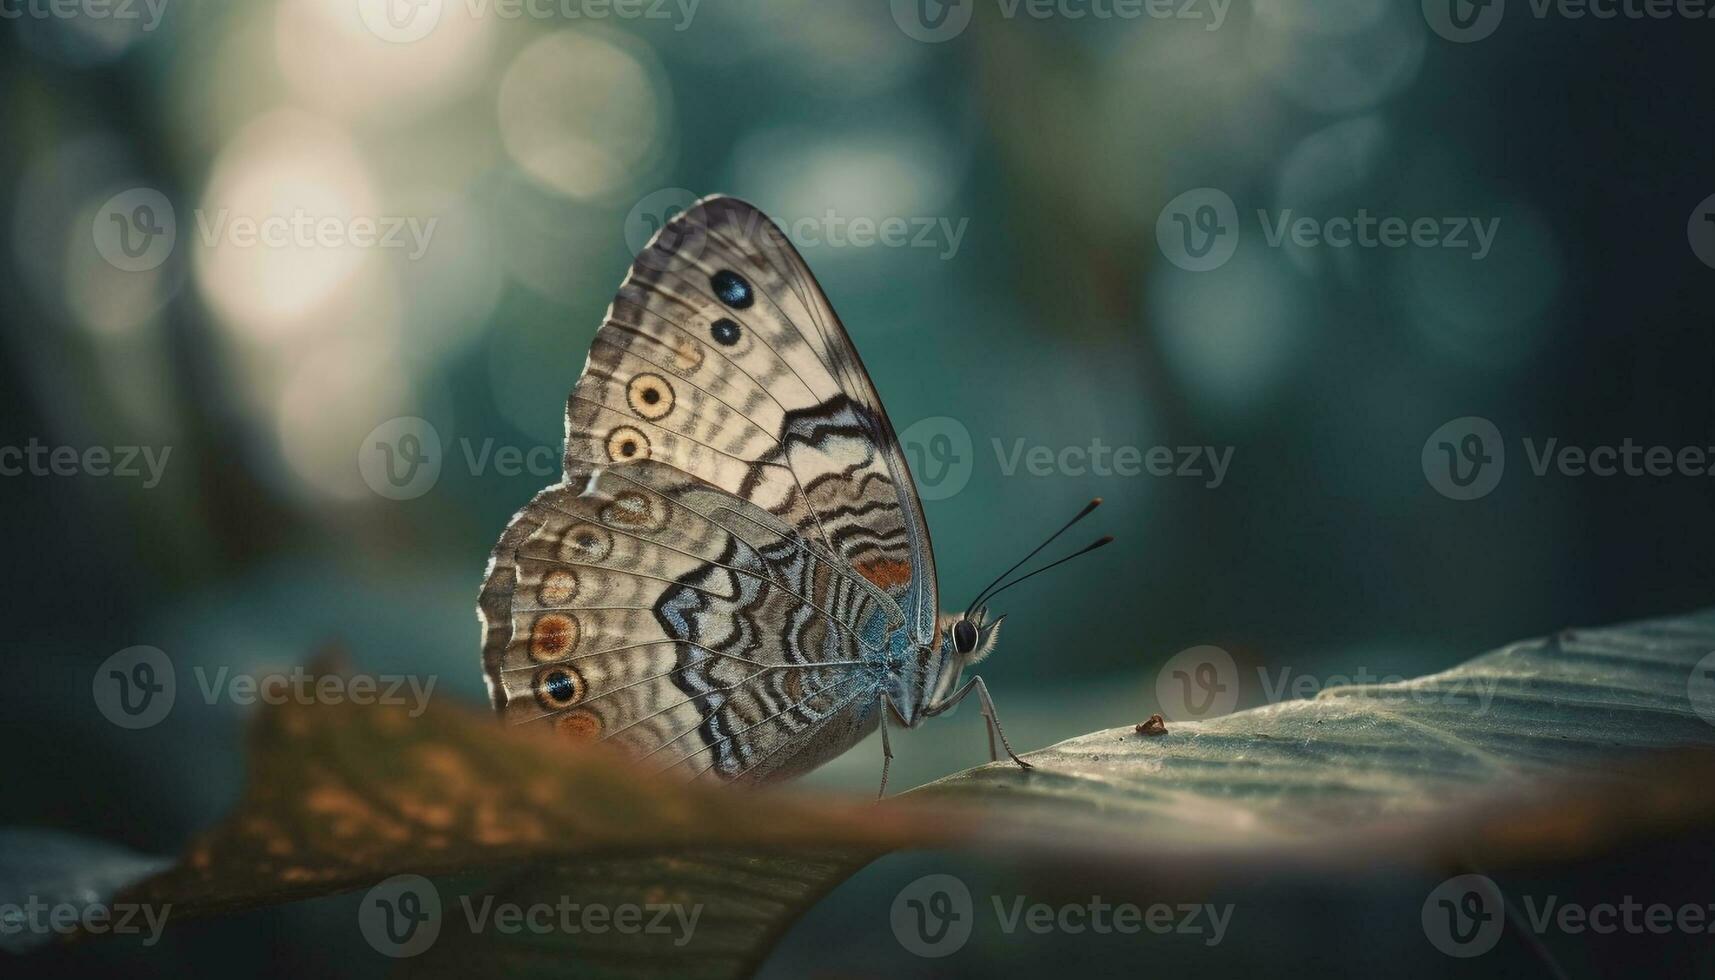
pixel 1092 505
pixel 1102 542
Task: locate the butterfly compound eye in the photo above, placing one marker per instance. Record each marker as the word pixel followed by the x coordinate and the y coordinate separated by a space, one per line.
pixel 964 636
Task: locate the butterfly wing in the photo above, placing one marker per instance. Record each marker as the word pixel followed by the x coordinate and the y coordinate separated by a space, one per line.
pixel 737 539
pixel 637 605
pixel 722 356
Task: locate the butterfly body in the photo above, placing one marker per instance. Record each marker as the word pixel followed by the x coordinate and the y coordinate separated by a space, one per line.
pixel 734 577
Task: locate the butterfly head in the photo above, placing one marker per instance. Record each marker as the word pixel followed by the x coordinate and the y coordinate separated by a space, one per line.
pixel 967 639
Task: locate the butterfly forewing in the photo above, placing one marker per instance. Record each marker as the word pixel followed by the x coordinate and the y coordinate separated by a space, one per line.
pixel 737 538
pixel 756 389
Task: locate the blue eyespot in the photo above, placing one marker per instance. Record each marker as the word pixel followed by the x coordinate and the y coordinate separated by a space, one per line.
pixel 560 686
pixel 732 289
pixel 725 332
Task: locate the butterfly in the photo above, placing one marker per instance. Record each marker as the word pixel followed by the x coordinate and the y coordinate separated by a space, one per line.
pixel 733 580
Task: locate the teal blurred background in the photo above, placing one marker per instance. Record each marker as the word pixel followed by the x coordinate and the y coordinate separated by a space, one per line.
pixel 1033 306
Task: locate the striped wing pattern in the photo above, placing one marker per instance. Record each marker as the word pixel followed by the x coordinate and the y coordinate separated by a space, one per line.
pixel 736 544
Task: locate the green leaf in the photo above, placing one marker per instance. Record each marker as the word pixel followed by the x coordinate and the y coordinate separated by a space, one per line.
pixel 1546 748
pixel 47 867
pixel 342 795
pixel 1351 770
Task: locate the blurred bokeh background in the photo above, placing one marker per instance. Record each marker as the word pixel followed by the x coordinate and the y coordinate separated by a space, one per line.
pixel 509 165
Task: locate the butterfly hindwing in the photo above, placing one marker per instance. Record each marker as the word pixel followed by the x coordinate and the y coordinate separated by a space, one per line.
pixel 736 541
pixel 636 606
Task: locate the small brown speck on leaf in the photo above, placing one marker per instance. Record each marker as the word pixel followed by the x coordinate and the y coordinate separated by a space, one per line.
pixel 1156 725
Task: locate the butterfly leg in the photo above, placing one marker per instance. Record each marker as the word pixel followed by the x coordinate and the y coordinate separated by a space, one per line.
pixel 976 684
pixel 886 750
